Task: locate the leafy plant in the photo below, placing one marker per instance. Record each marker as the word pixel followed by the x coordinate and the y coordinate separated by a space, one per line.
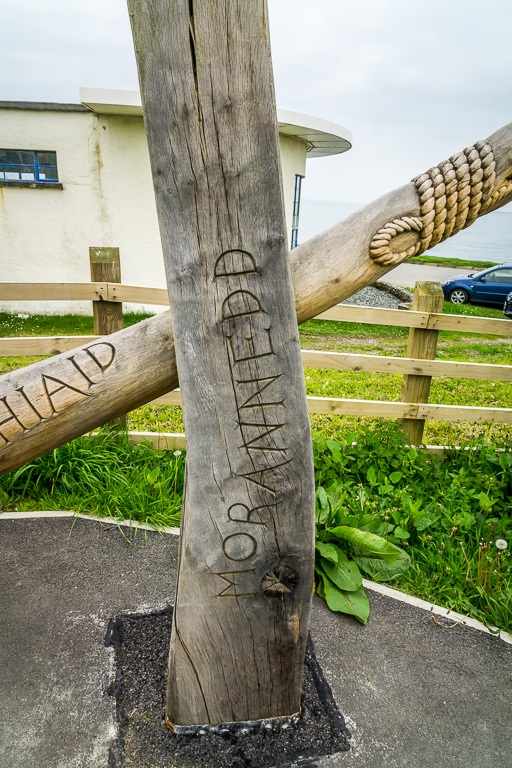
pixel 345 546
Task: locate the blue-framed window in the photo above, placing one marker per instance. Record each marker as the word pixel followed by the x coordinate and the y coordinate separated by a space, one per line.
pixel 296 210
pixel 28 165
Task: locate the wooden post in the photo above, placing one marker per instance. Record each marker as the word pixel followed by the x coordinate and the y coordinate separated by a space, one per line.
pixel 107 315
pixel 106 267
pixel 245 574
pixel 422 344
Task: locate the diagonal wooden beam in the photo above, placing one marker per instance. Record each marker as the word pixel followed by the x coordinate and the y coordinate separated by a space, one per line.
pixel 325 270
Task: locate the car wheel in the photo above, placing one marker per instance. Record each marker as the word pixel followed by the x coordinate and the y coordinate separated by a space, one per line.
pixel 459 296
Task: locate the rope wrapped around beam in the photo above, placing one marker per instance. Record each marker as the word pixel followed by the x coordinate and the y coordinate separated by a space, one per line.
pixel 451 196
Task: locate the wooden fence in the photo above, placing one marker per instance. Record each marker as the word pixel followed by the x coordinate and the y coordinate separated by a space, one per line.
pixel 407 366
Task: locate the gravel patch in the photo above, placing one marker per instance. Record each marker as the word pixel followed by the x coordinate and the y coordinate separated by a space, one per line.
pixel 380 295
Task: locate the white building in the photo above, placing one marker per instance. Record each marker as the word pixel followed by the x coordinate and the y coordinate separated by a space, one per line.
pixel 78 175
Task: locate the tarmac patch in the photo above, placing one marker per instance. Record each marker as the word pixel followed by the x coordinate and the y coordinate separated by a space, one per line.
pixel 141 643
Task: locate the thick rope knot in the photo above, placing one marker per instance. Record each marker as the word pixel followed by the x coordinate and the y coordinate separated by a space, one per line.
pixel 451 196
pixel 380 246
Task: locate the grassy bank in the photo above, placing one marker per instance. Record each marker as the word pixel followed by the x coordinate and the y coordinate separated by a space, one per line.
pixel 445 262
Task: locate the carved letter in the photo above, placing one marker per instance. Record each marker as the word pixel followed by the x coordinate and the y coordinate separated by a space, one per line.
pixel 235 262
pixel 110 350
pixel 239 546
pixel 11 417
pixel 240 513
pixel 251 476
pixel 269 429
pixel 240 304
pixel 46 377
pixel 73 361
pixel 246 348
pixel 238 585
pixel 269 381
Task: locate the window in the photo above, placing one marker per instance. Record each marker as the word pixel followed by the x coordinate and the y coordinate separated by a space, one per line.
pixel 28 165
pixel 499 276
pixel 296 209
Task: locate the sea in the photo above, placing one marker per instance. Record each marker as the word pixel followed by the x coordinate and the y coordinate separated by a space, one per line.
pixel 488 239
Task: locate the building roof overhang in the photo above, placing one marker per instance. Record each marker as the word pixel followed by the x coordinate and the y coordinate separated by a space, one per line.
pixel 322 138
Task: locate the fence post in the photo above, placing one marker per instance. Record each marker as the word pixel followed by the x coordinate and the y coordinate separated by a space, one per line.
pixel 107 315
pixel 106 267
pixel 422 344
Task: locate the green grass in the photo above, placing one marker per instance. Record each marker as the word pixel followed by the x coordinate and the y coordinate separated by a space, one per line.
pixel 447 514
pixel 56 325
pixel 465 500
pixel 102 475
pixel 438 511
pixel 343 337
pixel 443 262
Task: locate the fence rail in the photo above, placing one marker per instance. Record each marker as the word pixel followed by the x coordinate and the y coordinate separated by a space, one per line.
pixel 342 312
pixel 405 366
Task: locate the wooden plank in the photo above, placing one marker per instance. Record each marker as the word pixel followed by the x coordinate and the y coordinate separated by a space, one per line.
pixel 136 294
pixel 209 112
pixel 53 291
pixel 373 408
pixel 160 441
pixel 16 346
pixel 342 361
pixel 473 414
pixel 351 313
pixel 170 441
pixel 466 324
pixel 387 409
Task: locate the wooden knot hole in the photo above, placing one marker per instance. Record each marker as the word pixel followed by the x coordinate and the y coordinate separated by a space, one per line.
pixel 279 581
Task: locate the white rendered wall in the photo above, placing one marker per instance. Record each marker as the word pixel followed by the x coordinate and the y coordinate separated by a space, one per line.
pixel 107 200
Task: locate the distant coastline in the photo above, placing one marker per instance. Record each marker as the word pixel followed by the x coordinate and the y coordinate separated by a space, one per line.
pixel 488 239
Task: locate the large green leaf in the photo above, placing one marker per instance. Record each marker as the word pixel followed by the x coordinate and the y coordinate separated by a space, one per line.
pixel 354 603
pixel 345 574
pixel 367 541
pixel 330 551
pixel 377 568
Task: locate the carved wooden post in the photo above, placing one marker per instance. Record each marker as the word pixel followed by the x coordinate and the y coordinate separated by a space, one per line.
pixel 422 344
pixel 246 565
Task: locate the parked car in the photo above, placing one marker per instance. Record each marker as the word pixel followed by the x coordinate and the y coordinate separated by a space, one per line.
pixel 491 286
pixel 507 307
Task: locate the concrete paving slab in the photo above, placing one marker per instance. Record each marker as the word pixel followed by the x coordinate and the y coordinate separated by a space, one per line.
pixel 414 693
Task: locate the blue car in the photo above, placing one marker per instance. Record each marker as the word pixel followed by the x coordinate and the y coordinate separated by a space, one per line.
pixel 491 286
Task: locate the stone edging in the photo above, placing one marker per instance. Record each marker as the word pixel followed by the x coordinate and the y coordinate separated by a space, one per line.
pixel 394 290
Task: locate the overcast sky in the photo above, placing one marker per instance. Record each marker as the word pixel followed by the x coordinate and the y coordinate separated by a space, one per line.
pixel 413 82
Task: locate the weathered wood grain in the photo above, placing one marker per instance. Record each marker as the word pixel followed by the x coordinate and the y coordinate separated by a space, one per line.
pixel 245 573
pixel 325 270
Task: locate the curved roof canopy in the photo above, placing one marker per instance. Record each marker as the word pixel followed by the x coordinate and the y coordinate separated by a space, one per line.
pixel 321 137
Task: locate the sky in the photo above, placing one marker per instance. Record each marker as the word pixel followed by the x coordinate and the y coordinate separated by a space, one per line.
pixel 413 82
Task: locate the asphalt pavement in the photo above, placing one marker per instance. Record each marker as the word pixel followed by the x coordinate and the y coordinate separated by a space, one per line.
pixel 417 690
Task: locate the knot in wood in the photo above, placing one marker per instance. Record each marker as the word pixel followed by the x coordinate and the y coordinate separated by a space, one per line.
pixel 279 581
